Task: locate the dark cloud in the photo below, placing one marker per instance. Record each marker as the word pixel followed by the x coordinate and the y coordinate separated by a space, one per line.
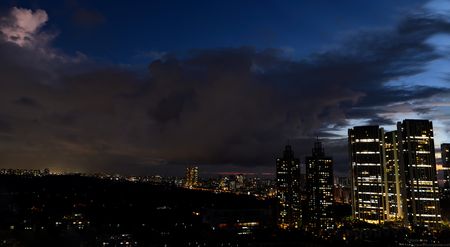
pixel 25 101
pixel 388 95
pixel 231 106
pixel 5 126
pixel 378 120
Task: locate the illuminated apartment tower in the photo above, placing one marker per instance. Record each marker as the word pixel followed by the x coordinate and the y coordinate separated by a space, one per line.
pixel 319 188
pixel 445 151
pixel 191 177
pixel 393 178
pixel 419 165
pixel 367 159
pixel 288 190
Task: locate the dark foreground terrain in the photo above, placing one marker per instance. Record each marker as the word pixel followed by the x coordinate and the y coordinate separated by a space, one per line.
pixel 74 210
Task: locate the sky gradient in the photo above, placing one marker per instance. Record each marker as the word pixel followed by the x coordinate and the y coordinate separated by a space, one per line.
pixel 150 87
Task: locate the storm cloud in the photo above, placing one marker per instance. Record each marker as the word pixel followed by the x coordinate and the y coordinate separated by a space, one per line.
pixel 214 107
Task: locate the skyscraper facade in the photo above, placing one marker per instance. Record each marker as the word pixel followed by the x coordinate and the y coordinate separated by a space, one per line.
pixel 393 178
pixel 289 213
pixel 366 154
pixel 445 154
pixel 419 166
pixel 319 189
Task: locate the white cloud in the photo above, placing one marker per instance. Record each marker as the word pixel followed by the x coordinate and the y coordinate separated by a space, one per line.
pixel 22 27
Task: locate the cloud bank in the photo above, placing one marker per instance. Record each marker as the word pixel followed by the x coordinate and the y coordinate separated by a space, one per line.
pixel 232 107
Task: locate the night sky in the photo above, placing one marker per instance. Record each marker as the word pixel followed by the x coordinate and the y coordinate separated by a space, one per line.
pixel 148 87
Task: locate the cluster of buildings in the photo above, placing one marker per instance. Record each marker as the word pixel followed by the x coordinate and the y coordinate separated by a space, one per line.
pixel 393 179
pixel 394 174
pixel 25 172
pixel 237 183
pixel 311 208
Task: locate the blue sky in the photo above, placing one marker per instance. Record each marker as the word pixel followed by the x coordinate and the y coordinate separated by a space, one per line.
pixel 121 30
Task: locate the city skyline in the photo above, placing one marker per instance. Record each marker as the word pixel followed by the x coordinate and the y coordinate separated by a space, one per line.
pixel 224 123
pixel 150 87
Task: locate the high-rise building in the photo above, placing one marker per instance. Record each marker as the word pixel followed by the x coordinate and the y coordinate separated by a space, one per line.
pixel 288 190
pixel 393 178
pixel 445 154
pixel 366 154
pixel 191 178
pixel 419 167
pixel 319 189
pixel 342 190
